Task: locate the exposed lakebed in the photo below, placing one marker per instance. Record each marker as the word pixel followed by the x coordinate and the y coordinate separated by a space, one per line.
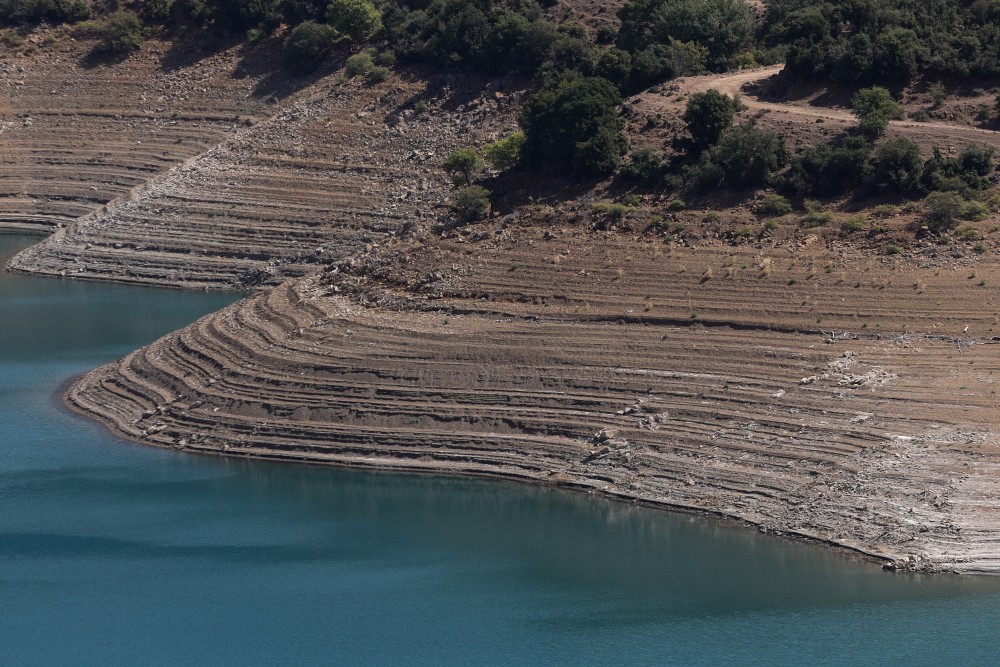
pixel 114 553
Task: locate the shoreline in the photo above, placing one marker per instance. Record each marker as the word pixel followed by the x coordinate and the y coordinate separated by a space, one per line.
pixel 300 375
pixel 857 552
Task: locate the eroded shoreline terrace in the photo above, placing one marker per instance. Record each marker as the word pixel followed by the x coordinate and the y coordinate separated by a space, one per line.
pixel 793 376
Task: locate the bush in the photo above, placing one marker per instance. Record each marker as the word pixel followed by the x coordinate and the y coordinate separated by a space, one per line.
pixel 359 19
pixel 723 28
pixel 966 173
pixel 471 203
pixel 575 125
pixel 504 153
pixel 854 223
pixel 377 75
pixel 308 45
pixel 896 165
pixel 121 32
pixel 645 167
pixel 828 170
pixel 745 157
pixel 774 204
pixel 942 210
pixel 462 164
pixel 707 115
pixel 359 64
pixel 874 108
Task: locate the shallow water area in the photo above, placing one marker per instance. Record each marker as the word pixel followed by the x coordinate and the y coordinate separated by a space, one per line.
pixel 115 553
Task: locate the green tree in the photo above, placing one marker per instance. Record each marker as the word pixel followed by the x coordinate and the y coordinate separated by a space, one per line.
pixel 746 156
pixel 359 19
pixel 707 116
pixel 575 125
pixel 462 164
pixel 895 165
pixel 874 108
pixel 505 153
pixel 308 45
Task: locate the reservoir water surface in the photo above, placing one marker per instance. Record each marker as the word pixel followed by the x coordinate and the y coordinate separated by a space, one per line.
pixel 112 553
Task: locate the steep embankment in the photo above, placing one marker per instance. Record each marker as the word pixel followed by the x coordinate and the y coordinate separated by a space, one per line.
pixel 557 355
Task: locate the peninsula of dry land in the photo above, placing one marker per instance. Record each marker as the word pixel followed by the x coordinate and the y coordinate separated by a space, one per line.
pixel 816 383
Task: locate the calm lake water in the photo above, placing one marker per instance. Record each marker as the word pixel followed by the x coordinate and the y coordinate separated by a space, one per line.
pixel 113 553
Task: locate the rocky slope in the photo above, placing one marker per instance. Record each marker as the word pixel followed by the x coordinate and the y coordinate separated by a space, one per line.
pixel 785 377
pixel 879 443
pixel 77 134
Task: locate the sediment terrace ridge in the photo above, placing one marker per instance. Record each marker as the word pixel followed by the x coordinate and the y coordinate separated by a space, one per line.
pixel 319 180
pixel 854 440
pixel 75 137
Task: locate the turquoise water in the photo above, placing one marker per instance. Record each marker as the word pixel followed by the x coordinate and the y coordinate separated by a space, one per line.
pixel 117 554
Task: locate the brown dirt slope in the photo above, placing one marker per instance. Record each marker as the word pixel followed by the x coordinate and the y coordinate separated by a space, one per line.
pixel 541 353
pixel 336 167
pixel 74 135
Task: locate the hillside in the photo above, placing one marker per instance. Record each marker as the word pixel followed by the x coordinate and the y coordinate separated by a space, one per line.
pixel 824 372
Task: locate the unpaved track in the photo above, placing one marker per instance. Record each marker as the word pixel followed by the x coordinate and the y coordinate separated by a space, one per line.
pixel 736 82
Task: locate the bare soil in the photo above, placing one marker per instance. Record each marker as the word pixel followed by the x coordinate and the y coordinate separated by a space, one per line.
pixel 813 382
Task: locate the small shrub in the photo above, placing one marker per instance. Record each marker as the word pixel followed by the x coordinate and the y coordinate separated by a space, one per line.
pixel 359 19
pixel 377 75
pixel 359 64
pixel 774 204
pixel 121 32
pixel 421 106
pixel 853 224
pixel 920 116
pixel 893 249
pixel 966 233
pixel 874 108
pixel 710 217
pixel 974 211
pixel 979 248
pixel 770 225
pixel 385 58
pixel 814 219
pixel 676 205
pixel 471 203
pixel 645 167
pixel 937 94
pixel 942 210
pixel 610 210
pixel 744 232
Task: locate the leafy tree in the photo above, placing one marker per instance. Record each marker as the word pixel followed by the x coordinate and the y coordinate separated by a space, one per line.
pixel 874 108
pixel 722 27
pixel 471 203
pixel 359 19
pixel 575 125
pixel 746 156
pixel 827 169
pixel 895 165
pixel 505 153
pixel 462 164
pixel 308 45
pixel 707 116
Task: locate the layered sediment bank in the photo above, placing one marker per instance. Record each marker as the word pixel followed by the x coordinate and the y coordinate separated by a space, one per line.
pixel 880 443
